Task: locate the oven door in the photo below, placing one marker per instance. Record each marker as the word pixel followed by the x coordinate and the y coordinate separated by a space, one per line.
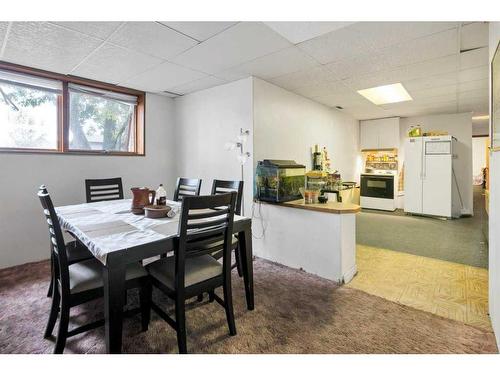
pixel 377 186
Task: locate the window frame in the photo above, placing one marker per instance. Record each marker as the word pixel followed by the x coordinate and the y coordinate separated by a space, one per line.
pixel 63 114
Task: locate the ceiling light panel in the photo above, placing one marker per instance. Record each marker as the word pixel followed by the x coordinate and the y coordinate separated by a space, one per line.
pixel 485 117
pixel 386 94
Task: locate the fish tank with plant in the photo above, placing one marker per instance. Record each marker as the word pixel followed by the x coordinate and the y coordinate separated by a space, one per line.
pixel 279 180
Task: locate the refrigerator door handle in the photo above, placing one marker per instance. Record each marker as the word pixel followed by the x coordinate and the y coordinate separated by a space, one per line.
pixel 424 167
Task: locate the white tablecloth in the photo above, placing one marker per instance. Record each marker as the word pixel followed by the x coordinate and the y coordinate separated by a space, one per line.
pixel 108 226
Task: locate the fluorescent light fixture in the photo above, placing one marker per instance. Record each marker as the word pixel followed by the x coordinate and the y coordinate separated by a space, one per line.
pixel 379 95
pixel 485 117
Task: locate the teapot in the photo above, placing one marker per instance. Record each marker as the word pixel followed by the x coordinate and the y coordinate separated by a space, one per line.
pixel 142 196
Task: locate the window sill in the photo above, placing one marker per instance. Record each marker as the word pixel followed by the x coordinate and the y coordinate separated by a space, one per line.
pixel 75 152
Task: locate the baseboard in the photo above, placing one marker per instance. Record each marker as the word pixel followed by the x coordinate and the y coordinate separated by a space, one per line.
pixel 349 275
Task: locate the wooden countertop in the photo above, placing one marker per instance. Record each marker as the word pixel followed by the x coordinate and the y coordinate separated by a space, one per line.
pixel 332 207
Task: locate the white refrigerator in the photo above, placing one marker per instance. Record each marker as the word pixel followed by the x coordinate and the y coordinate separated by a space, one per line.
pixel 429 180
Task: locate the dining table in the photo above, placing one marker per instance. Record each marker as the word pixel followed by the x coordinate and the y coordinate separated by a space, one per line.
pixel 117 237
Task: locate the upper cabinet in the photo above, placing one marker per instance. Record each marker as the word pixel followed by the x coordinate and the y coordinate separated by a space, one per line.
pixel 379 133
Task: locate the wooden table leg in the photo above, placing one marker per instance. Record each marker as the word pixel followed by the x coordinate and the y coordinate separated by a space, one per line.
pixel 114 299
pixel 245 239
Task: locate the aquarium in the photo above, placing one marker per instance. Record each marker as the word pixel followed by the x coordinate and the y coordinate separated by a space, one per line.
pixel 279 180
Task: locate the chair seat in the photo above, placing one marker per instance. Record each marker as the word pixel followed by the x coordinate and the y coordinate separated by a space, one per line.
pixel 76 252
pixel 197 269
pixel 87 275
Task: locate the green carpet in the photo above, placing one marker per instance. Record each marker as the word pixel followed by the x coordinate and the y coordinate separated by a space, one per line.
pixel 460 241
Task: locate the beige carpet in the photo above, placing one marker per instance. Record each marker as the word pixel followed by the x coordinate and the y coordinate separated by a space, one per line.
pixel 295 313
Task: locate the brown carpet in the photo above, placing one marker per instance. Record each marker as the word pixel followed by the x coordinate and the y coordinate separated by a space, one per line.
pixel 295 313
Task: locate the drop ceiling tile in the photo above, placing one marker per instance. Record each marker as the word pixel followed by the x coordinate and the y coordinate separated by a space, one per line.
pixel 431 101
pixel 346 101
pixel 359 65
pixel 371 80
pixel 406 73
pixel 163 77
pixel 324 89
pixel 474 94
pixel 473 74
pixel 474 85
pixel 297 32
pixel 433 91
pixel 475 106
pixel 434 67
pixel 313 76
pixel 366 112
pixel 3 31
pixel 100 30
pixel 403 109
pixel 425 48
pixel 384 34
pixel 243 42
pixel 474 35
pixel 197 85
pixel 474 58
pixel 45 46
pixel 199 30
pixel 337 45
pixel 153 39
pixel 421 70
pixel 114 64
pixel 230 75
pixel 431 81
pixel 289 60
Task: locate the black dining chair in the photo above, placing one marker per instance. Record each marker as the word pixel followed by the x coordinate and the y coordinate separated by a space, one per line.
pixel 75 252
pixel 186 187
pixel 221 187
pixel 81 282
pixel 224 186
pixel 104 189
pixel 206 225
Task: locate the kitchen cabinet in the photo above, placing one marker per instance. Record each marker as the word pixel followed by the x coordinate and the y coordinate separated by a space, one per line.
pixel 379 133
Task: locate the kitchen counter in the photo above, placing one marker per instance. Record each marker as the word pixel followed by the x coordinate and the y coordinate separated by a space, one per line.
pixel 317 238
pixel 331 207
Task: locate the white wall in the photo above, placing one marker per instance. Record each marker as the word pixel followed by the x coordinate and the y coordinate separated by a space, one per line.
pixel 494 219
pixel 204 122
pixel 23 232
pixel 478 155
pixel 460 126
pixel 286 125
pixel 481 128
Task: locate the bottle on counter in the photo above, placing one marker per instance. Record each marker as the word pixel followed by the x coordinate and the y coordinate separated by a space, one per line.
pixel 161 196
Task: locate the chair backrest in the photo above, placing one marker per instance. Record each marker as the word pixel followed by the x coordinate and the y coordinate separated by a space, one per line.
pixel 205 227
pixel 222 187
pixel 57 244
pixel 104 189
pixel 187 187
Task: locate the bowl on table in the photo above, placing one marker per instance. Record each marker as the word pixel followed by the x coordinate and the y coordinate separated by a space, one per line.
pixel 155 211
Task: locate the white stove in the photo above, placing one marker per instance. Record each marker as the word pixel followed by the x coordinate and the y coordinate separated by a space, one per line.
pixel 378 190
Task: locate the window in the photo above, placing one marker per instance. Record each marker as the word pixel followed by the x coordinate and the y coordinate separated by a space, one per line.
pixel 101 120
pixel 29 112
pixel 47 112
